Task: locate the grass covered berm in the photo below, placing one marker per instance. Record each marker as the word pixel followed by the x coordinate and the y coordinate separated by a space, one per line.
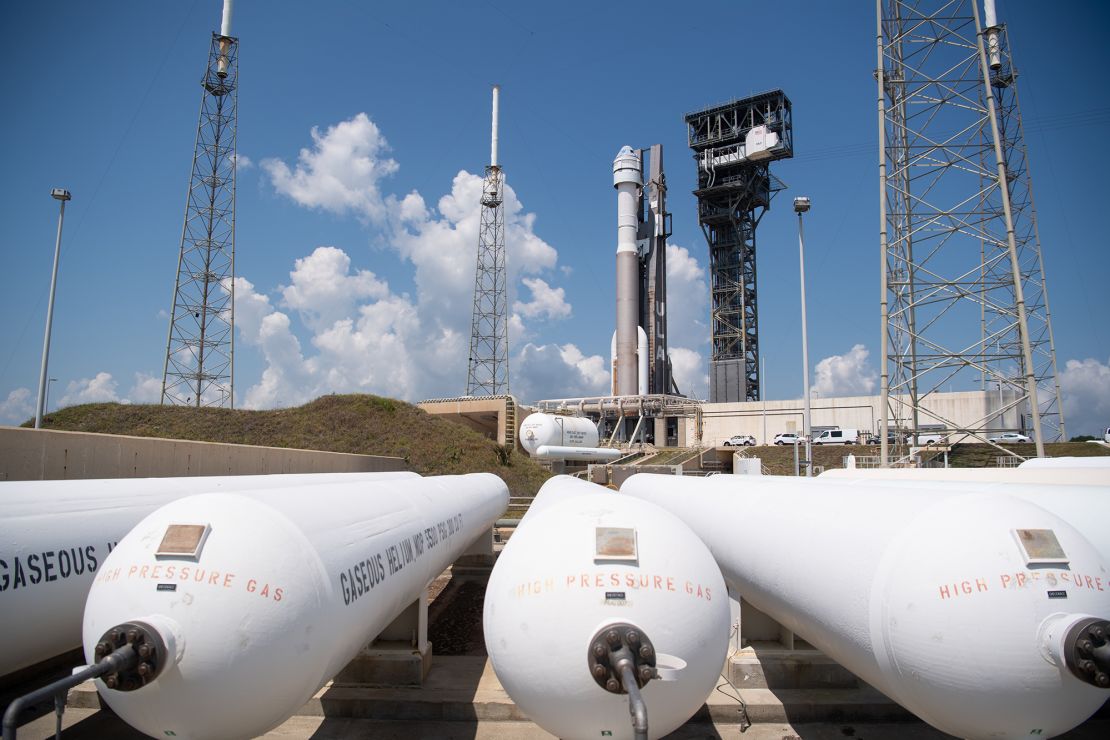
pixel 360 424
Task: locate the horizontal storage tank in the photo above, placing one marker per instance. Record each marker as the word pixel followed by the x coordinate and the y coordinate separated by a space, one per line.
pixel 557 431
pixel 55 535
pixel 246 603
pixel 1073 502
pixel 982 613
pixel 588 574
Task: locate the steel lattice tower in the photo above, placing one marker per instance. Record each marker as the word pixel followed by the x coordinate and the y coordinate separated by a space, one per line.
pixel 488 365
pixel 733 146
pixel 963 294
pixel 200 348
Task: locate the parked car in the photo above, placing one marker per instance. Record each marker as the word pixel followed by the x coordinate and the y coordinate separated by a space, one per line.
pixel 1009 438
pixel 837 437
pixel 787 438
pixel 740 440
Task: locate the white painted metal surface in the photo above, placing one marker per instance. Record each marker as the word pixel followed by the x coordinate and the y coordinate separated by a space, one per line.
pixel 1079 505
pixel 225 21
pixel 628 180
pixel 557 431
pixel 290 584
pixel 555 452
pixel 55 535
pixel 1020 474
pixel 1101 463
pixel 642 357
pixel 493 133
pixel 925 594
pixel 550 593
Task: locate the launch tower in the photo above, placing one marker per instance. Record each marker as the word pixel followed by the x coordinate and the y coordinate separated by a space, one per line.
pixel 488 365
pixel 200 347
pixel 734 145
pixel 964 301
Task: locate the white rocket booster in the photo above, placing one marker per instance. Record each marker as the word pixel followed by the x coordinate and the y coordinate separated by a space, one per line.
pixel 628 180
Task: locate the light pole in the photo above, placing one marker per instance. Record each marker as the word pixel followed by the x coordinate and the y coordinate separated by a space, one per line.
pixel 61 195
pixel 801 205
pixel 46 406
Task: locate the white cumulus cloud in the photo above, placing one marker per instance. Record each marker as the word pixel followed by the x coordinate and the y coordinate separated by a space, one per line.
pixel 18 407
pixel 689 369
pixel 554 371
pixel 340 173
pixel 323 289
pixel 1085 387
pixel 339 328
pixel 547 302
pixel 845 375
pixel 100 388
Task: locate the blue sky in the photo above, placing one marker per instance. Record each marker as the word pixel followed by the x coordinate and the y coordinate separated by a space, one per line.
pixel 359 251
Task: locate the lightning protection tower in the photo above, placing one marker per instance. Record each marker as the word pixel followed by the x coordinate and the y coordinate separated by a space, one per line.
pixel 200 348
pixel 488 366
pixel 734 145
pixel 964 302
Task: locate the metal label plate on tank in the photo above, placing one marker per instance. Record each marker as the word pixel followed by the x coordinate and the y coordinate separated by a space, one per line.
pixel 1040 547
pixel 615 543
pixel 183 540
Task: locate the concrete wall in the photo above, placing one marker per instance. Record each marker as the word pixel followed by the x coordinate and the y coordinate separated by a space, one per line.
pixel 40 454
pixel 969 409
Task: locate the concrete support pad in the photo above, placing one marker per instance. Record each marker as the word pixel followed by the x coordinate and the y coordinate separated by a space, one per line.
pixel 769 668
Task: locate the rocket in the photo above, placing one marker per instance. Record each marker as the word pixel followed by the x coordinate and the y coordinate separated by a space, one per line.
pixel 628 181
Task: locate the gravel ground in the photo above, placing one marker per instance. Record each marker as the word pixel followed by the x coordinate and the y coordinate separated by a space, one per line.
pixel 455 616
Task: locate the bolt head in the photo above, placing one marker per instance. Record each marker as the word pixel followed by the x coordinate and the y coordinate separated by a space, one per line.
pixel 646 673
pixel 599 671
pixel 632 636
pixel 1087 666
pixel 645 652
pixel 613 638
pixel 1102 680
pixel 599 650
pixel 612 685
pixel 111 680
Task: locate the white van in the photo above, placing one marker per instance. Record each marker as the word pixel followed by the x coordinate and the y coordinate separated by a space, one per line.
pixel 1106 436
pixel 837 437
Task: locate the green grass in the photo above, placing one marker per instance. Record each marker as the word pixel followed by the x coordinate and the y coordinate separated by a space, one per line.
pixel 361 424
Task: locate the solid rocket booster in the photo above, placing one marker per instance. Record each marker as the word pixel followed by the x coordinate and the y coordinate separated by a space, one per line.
pixel 983 614
pixel 246 603
pixel 55 534
pixel 585 568
pixel 628 181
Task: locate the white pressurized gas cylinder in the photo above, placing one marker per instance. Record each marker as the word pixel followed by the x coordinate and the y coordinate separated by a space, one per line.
pixel 558 431
pixel 246 603
pixel 55 535
pixel 558 437
pixel 585 568
pixel 983 614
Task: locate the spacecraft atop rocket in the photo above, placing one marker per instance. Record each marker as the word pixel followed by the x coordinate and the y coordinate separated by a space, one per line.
pixel 640 363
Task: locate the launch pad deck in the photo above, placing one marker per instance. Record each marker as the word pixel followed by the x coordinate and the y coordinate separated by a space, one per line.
pixel 462 698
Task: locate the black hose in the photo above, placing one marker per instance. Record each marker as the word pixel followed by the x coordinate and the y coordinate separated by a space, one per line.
pixel 121 659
